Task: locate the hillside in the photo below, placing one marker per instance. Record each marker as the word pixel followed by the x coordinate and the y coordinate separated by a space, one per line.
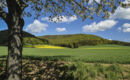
pixel 71 41
pixel 28 38
pixel 76 40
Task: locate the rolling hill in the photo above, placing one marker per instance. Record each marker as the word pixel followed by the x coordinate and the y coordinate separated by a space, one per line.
pixel 28 38
pixel 71 41
pixel 76 40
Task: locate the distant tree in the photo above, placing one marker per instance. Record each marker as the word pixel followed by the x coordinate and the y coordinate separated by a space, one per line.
pixel 30 39
pixel 13 12
pixel 76 45
pixel 71 45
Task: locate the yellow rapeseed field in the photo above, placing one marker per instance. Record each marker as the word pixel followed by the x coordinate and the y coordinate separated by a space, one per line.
pixel 48 46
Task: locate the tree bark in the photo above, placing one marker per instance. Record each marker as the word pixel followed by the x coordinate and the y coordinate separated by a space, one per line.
pixel 15 24
pixel 14 59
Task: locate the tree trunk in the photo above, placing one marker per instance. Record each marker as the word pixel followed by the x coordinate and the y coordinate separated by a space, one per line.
pixel 15 24
pixel 14 59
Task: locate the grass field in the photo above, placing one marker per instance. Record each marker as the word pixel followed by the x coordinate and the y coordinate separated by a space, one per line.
pixel 100 53
pixel 84 63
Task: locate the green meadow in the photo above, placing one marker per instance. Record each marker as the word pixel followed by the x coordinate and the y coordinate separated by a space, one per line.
pixel 91 54
pixel 101 62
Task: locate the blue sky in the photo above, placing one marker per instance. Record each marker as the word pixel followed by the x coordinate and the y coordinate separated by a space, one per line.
pixel 116 27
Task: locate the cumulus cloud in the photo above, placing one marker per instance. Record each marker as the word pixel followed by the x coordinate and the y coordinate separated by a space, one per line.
pixel 126 30
pixel 60 29
pixel 126 27
pixel 36 27
pixel 60 19
pixel 122 13
pixel 101 26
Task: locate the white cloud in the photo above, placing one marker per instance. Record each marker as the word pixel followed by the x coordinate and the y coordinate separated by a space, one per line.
pixel 122 13
pixel 62 19
pixel 101 26
pixel 119 28
pixel 126 30
pixel 60 29
pixel 126 27
pixel 36 27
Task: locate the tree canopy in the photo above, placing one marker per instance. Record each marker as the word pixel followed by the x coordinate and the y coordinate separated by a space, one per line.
pixel 83 8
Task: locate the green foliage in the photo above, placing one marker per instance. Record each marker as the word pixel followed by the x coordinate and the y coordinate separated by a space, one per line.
pixel 27 38
pixel 81 8
pixel 32 40
pixel 60 70
pixel 86 71
pixel 115 68
pixel 74 41
pixel 100 68
pixel 71 41
pixel 77 40
pixel 52 8
pixel 115 72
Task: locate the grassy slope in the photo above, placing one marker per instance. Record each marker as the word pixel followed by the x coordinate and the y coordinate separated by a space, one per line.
pixel 80 40
pixel 27 37
pixel 101 53
pixel 60 39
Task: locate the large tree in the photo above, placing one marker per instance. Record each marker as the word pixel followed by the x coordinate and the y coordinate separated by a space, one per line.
pixel 13 12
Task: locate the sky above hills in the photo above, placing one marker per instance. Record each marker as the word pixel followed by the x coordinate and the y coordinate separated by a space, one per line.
pixel 116 27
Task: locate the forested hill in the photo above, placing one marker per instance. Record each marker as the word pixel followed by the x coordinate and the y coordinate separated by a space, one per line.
pixel 76 40
pixel 28 38
pixel 71 41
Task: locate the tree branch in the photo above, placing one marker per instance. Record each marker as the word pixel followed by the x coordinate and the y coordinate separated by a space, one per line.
pixel 96 2
pixel 81 6
pixel 22 4
pixel 3 14
pixel 16 6
pixel 125 5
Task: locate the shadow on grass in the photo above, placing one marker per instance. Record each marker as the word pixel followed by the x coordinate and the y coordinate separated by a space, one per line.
pixel 36 68
pixel 48 58
pixel 4 56
pixel 51 68
pixel 44 58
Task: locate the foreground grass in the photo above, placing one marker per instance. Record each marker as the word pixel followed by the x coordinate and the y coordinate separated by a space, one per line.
pixel 100 53
pixel 96 71
pixel 61 70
